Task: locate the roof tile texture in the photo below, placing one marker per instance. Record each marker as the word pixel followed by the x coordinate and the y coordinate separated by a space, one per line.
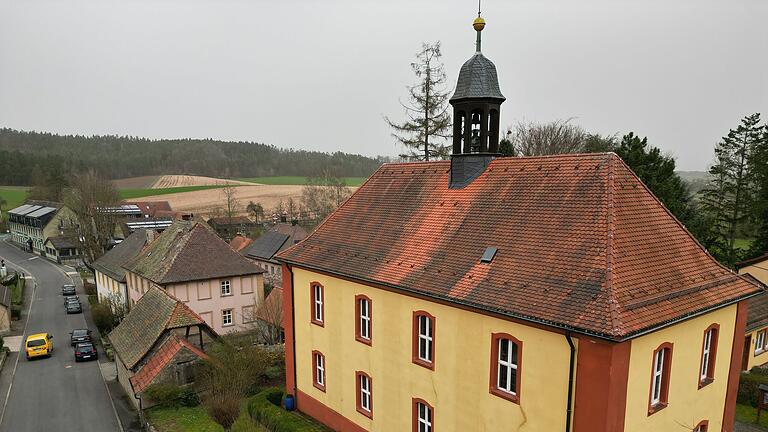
pixel 160 359
pixel 582 244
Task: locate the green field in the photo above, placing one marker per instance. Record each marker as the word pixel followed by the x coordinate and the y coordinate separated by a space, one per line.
pixel 140 193
pixel 296 180
pixel 13 195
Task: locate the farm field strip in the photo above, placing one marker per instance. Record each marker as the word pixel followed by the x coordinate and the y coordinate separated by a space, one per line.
pixel 296 180
pixel 141 193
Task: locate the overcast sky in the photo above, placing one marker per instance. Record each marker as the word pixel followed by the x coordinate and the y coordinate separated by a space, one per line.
pixel 321 74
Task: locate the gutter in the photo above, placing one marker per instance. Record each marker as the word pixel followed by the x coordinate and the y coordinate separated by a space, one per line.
pixel 571 361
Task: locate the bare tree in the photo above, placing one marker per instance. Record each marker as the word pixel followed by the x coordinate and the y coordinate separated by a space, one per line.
pixel 266 322
pixel 91 198
pixel 538 139
pixel 323 194
pixel 256 210
pixel 231 203
pixel 428 126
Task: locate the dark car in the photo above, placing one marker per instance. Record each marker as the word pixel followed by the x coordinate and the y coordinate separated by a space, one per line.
pixel 74 307
pixel 80 336
pixel 71 299
pixel 85 351
pixel 68 290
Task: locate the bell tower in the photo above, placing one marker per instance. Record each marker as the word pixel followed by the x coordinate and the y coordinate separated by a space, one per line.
pixel 476 103
pixel 476 106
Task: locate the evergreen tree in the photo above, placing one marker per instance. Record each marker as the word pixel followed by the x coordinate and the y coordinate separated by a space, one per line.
pixel 729 197
pixel 429 124
pixel 760 168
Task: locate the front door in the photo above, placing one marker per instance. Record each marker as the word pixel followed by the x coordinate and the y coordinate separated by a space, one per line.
pixel 745 356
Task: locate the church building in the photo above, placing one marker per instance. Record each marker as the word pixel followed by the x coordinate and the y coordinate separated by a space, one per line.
pixel 489 293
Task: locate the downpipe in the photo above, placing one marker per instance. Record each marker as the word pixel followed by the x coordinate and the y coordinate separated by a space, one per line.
pixel 569 408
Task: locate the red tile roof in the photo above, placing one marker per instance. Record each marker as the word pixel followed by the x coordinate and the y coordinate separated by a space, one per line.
pixel 582 244
pixel 239 242
pixel 160 359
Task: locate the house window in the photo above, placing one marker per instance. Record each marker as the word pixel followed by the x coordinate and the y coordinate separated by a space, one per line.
pixel 662 360
pixel 760 342
pixel 364 394
pixel 226 317
pixel 423 416
pixel 318 303
pixel 363 326
pixel 506 356
pixel 708 355
pixel 318 370
pixel 225 288
pixel 702 427
pixel 185 373
pixel 424 339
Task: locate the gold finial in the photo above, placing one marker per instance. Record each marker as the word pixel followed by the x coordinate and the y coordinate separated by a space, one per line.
pixel 478 24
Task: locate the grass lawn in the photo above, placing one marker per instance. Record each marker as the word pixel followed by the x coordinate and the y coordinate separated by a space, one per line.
pixel 195 419
pixel 296 180
pixel 744 243
pixel 747 414
pixel 14 195
pixel 139 193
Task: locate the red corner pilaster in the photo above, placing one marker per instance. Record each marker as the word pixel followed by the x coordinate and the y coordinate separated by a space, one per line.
pixel 290 377
pixel 602 372
pixel 737 351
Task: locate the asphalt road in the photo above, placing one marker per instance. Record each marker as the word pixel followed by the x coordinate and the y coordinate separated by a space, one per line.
pixel 53 394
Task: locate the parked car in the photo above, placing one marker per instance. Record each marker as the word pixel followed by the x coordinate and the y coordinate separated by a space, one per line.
pixel 85 351
pixel 71 299
pixel 68 289
pixel 80 336
pixel 74 307
pixel 38 344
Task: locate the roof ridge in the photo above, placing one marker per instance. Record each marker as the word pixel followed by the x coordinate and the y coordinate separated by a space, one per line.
pixel 616 323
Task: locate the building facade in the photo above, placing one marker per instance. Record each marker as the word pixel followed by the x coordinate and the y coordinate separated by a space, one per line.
pixel 31 224
pixel 190 262
pixel 755 342
pixel 532 294
pixel 111 283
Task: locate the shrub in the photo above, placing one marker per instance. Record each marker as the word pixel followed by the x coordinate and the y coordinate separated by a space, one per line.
pixel 90 288
pixel 266 409
pixel 748 387
pixel 223 407
pixel 15 312
pixel 103 318
pixel 189 398
pixel 166 395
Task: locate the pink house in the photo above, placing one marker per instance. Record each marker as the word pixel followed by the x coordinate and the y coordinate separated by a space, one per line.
pixel 196 266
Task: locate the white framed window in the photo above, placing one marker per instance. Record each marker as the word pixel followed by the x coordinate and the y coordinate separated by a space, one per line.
pixel 506 380
pixel 365 392
pixel 658 376
pixel 319 361
pixel 760 341
pixel 423 417
pixel 226 288
pixel 226 317
pixel 705 354
pixel 365 318
pixel 318 310
pixel 425 338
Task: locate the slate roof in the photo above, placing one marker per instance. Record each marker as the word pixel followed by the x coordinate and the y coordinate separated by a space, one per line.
pixel 757 313
pixel 160 359
pixel 154 313
pixel 111 263
pixel 61 242
pixel 189 251
pixel 477 79
pixel 582 244
pixel 267 245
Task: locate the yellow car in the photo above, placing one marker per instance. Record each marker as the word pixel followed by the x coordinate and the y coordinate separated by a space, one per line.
pixel 40 344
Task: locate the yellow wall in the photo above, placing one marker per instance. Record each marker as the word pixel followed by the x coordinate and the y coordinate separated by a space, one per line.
pixel 756 360
pixel 457 388
pixel 688 404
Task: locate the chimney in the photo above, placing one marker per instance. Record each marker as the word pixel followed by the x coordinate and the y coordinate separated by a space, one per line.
pixel 284 218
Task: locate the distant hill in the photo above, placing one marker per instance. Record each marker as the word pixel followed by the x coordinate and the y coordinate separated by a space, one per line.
pixel 697 180
pixel 24 155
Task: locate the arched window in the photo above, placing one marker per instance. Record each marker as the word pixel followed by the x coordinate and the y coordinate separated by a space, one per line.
pixel 708 355
pixel 506 362
pixel 660 370
pixel 317 295
pixel 423 339
pixel 364 394
pixel 363 319
pixel 423 416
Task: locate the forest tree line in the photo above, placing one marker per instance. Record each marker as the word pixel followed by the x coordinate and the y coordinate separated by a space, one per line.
pixel 24 155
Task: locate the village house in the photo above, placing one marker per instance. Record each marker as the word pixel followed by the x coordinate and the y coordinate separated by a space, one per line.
pixel 111 284
pixel 62 250
pixel 31 224
pixel 158 342
pixel 755 343
pixel 263 250
pixel 229 227
pixel 493 293
pixel 196 266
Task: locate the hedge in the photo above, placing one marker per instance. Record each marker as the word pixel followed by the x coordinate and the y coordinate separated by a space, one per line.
pixel 266 409
pixel 748 386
